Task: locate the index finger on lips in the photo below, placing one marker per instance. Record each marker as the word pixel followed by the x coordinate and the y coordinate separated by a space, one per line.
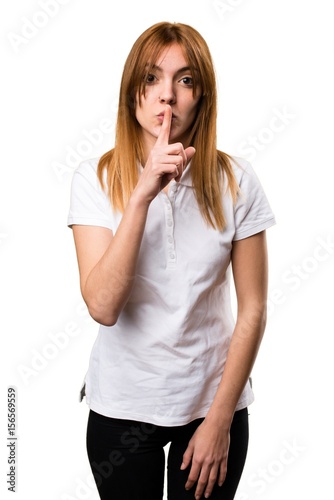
pixel 163 137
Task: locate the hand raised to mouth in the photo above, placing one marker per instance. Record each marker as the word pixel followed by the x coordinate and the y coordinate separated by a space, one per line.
pixel 165 162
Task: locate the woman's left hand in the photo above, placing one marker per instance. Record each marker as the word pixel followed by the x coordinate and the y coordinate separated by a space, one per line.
pixel 207 453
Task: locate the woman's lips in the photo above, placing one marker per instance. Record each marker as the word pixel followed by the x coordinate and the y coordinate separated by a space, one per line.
pixel 160 117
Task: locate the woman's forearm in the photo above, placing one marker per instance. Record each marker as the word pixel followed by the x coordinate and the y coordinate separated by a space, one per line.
pixel 245 343
pixel 108 285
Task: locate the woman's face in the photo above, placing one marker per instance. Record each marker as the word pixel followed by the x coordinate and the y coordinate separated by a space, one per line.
pixel 170 82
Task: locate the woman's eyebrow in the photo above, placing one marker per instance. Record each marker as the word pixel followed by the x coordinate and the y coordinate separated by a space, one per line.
pixel 185 69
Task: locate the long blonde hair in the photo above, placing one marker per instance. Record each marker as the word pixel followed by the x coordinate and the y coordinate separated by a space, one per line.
pixel 209 167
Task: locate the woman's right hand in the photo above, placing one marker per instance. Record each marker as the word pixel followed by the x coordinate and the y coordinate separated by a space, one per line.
pixel 107 262
pixel 165 162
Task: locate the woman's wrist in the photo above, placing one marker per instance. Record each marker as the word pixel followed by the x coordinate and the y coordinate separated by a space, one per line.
pixel 221 417
pixel 138 201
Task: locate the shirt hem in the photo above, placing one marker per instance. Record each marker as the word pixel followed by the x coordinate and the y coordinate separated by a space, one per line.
pixel 255 229
pixel 173 422
pixel 88 222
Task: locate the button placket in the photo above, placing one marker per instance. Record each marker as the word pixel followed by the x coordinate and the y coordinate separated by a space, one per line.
pixel 168 204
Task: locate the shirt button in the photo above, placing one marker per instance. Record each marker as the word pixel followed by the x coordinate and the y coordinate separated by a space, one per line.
pixel 170 239
pixel 172 256
pixel 169 223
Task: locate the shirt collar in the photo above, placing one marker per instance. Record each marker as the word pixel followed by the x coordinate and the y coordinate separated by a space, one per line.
pixel 186 179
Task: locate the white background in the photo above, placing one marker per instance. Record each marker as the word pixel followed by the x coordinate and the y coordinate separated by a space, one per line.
pixel 59 82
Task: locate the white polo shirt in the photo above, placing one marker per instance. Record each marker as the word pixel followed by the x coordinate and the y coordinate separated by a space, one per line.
pixel 162 361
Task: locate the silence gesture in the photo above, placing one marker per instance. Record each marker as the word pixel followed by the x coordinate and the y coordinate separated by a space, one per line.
pixel 165 162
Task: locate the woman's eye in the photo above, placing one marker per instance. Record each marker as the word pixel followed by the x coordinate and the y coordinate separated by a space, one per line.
pixel 188 81
pixel 150 78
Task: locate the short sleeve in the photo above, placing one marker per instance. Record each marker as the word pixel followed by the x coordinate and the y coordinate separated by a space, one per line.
pixel 89 204
pixel 252 211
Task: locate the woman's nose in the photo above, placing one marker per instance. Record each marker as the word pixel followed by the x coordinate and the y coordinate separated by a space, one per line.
pixel 167 95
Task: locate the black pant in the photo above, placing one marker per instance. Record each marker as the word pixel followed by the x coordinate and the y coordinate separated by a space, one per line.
pixel 128 460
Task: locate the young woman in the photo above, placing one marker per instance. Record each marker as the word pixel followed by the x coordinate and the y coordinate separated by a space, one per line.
pixel 158 223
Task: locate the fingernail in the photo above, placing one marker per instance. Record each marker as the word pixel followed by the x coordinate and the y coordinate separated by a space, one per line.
pixel 183 466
